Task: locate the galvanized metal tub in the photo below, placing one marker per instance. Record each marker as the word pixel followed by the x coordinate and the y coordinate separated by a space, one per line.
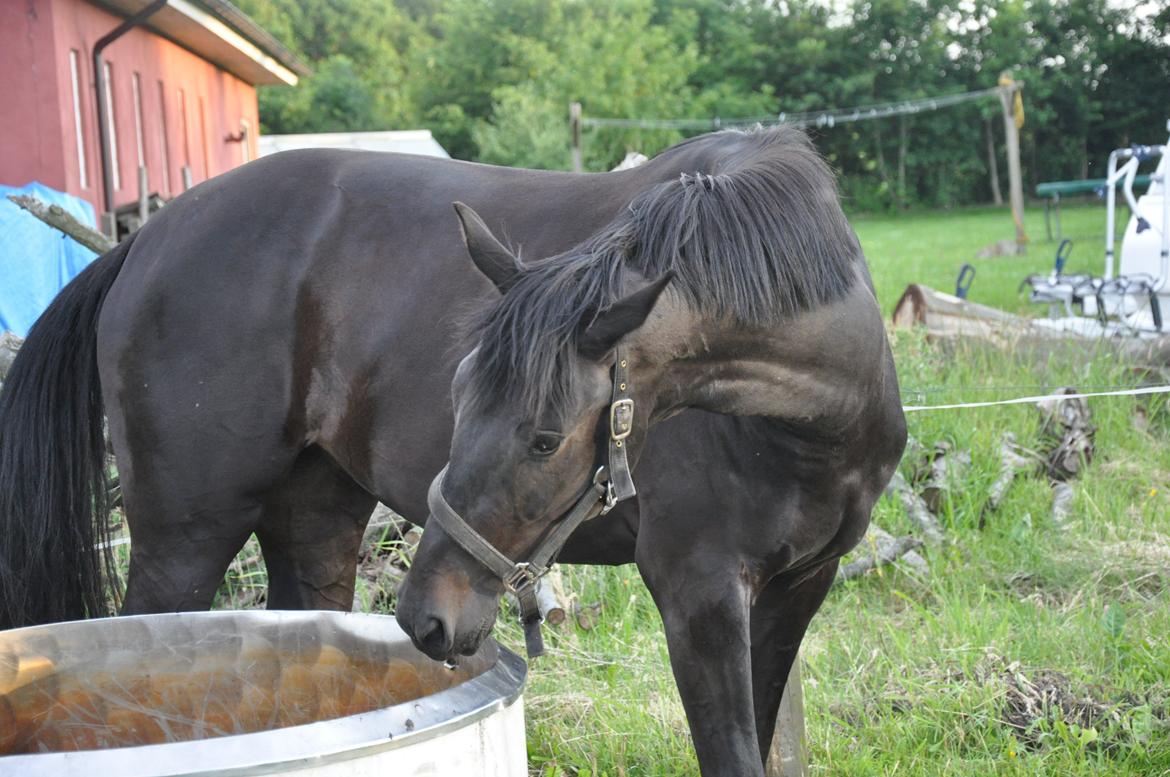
pixel 243 693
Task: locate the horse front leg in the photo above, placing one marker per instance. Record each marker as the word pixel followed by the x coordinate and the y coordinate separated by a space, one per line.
pixel 705 606
pixel 779 619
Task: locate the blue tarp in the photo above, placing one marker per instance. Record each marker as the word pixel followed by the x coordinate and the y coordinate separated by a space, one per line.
pixel 36 261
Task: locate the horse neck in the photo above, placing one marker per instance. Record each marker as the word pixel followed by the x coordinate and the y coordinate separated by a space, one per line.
pixel 822 366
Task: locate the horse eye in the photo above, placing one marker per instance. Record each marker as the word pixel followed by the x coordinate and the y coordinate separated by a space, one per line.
pixel 545 443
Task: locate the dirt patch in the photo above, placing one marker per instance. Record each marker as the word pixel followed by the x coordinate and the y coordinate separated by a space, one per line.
pixel 1039 702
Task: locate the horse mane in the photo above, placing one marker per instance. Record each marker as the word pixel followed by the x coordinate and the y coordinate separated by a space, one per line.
pixel 757 238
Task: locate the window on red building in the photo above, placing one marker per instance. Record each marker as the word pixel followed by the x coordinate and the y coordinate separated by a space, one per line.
pixel 78 125
pixel 183 123
pixel 136 84
pixel 162 140
pixel 112 124
pixel 206 147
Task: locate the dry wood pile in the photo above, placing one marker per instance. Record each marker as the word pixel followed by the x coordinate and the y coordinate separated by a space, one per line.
pixel 1065 447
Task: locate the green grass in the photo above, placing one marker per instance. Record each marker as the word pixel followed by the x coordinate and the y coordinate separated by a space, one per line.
pixel 914 676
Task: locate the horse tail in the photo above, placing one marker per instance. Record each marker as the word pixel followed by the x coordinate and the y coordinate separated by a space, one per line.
pixel 54 504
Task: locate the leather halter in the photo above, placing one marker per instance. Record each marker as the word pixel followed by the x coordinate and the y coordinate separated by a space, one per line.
pixel 611 483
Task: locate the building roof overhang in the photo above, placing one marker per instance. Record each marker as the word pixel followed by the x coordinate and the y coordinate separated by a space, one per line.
pixel 222 34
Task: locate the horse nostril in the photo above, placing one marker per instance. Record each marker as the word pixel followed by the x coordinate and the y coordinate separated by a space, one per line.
pixel 433 639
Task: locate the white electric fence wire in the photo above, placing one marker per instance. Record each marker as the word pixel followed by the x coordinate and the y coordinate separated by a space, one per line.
pixel 825 118
pixel 1041 398
pixel 124 540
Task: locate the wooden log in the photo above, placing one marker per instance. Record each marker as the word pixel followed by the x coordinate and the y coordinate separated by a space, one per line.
pixel 916 509
pixel 945 473
pixel 788 754
pixel 1071 434
pixel 947 318
pixel 884 549
pixel 1062 496
pixel 60 219
pixel 550 598
pixel 9 345
pixel 1012 460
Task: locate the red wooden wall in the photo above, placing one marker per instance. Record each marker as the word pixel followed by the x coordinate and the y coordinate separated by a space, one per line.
pixel 188 106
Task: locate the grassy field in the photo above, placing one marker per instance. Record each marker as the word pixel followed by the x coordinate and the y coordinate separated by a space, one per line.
pixel 1025 650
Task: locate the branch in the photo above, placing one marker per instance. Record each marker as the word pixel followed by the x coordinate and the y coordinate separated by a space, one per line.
pixel 946 467
pixel 9 345
pixel 60 219
pixel 884 549
pixel 1062 496
pixel 1013 460
pixel 916 509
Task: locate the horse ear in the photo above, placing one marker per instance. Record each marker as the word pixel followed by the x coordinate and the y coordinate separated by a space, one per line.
pixel 619 319
pixel 493 260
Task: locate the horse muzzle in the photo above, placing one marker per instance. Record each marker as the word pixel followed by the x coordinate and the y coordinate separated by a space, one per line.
pixel 443 617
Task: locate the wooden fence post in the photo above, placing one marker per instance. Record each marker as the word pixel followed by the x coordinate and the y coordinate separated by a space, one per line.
pixel 1013 117
pixel 575 135
pixel 788 755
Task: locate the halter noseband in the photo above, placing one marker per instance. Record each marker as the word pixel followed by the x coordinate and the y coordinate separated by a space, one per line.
pixel 611 483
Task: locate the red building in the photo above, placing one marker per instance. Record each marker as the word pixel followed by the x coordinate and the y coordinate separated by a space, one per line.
pixel 180 84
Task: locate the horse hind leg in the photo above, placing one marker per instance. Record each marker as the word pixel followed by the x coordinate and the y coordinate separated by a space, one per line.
pixel 311 532
pixel 192 497
pixel 180 551
pixel 779 618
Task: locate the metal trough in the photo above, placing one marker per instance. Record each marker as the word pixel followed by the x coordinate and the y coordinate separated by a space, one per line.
pixel 242 693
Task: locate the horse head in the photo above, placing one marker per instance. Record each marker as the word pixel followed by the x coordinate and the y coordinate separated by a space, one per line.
pixel 523 457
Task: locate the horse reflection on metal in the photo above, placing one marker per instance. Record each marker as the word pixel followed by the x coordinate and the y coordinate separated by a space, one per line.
pixel 306 692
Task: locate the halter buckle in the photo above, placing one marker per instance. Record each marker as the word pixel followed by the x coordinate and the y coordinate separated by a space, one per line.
pixel 621 419
pixel 522 576
pixel 610 498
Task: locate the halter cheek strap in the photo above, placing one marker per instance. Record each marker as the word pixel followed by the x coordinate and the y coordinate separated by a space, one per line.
pixel 611 483
pixel 621 424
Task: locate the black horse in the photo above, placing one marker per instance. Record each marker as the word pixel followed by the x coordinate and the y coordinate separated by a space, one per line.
pixel 274 351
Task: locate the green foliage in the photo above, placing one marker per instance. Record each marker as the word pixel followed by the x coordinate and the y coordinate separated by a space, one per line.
pixel 493 79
